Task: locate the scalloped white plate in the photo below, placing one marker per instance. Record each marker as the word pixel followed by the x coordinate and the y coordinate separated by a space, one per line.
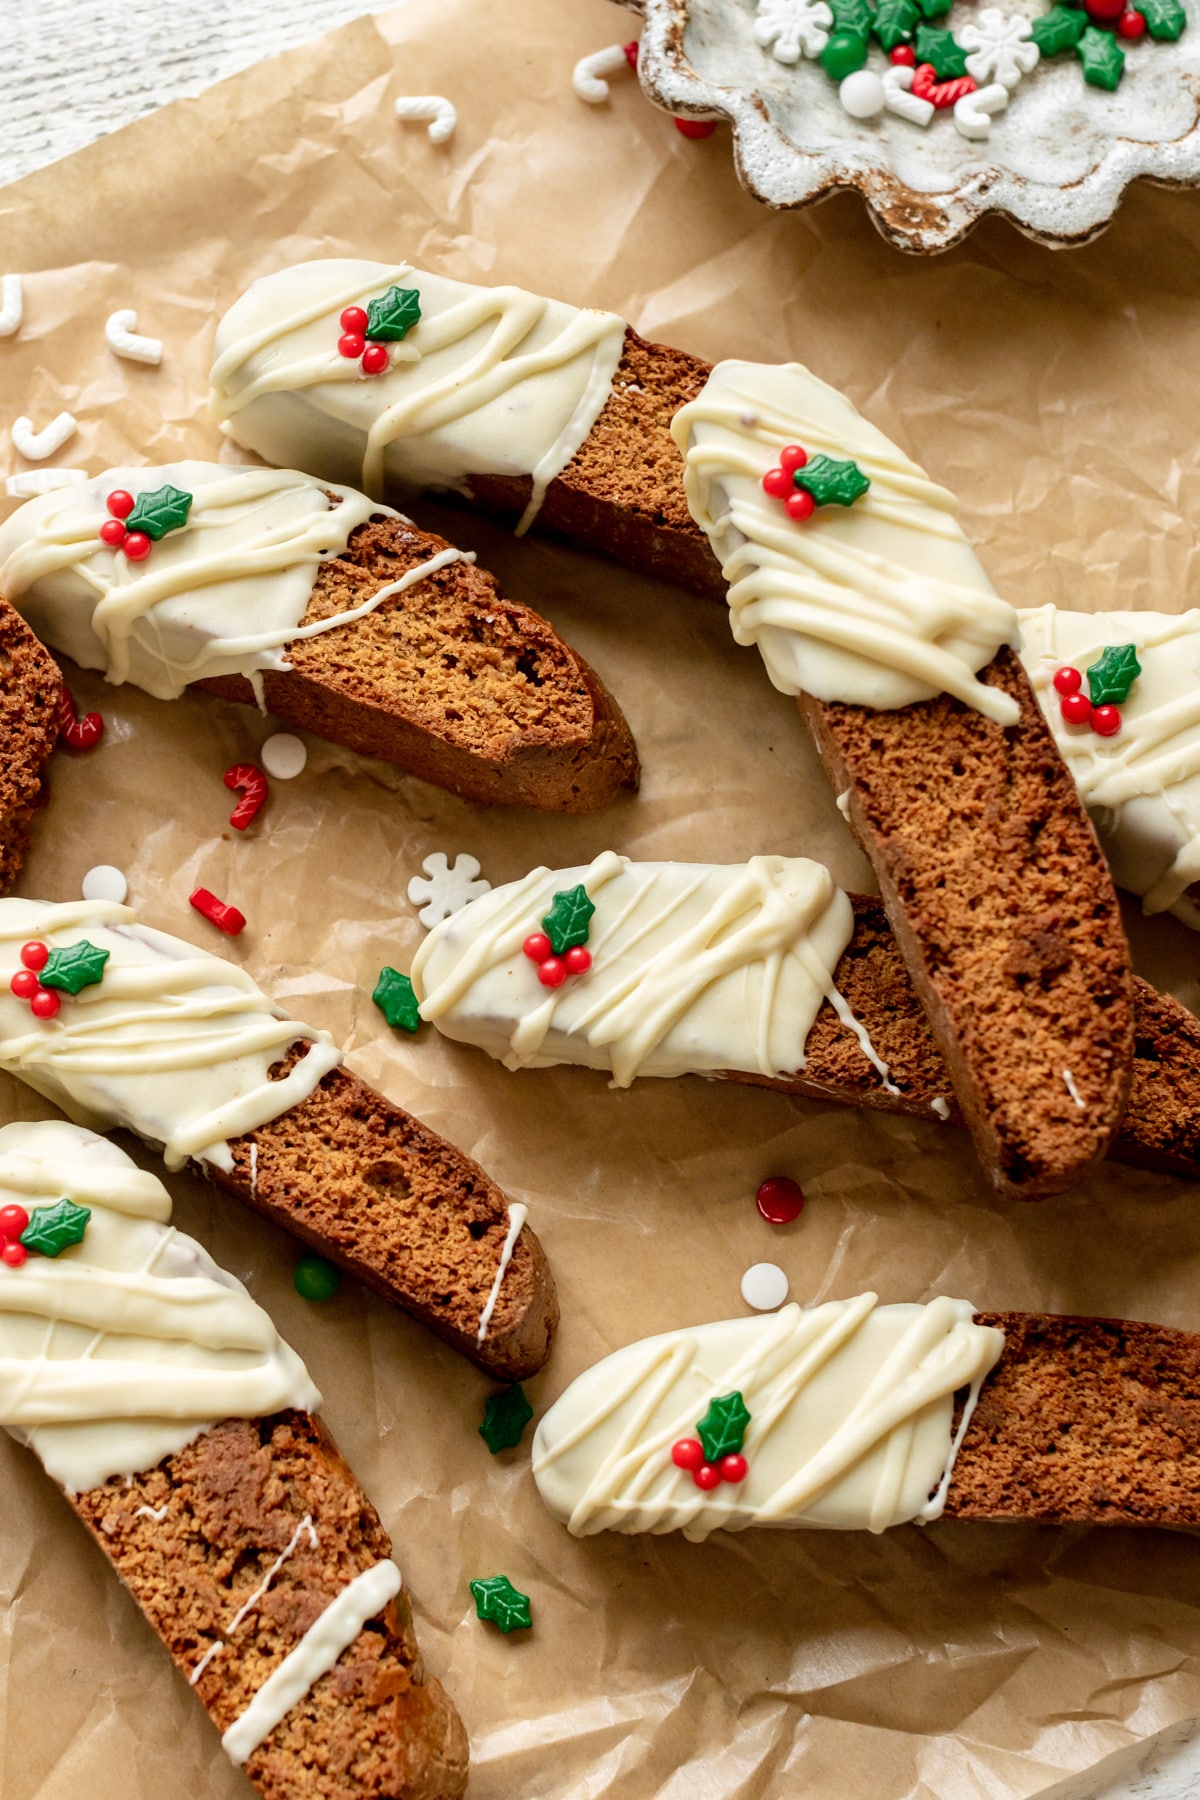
pixel 1057 163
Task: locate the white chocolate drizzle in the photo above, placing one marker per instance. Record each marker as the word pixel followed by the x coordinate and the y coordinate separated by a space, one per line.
pixel 222 595
pixel 878 604
pixel 696 968
pixel 124 1347
pixel 1142 787
pixel 173 1042
pixel 490 381
pixel 517 1216
pixel 851 1421
pixel 314 1656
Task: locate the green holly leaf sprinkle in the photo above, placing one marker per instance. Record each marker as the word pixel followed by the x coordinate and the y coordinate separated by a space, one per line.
pixel 1102 57
pixel 933 9
pixel 166 509
pixel 498 1600
pixel 1058 30
pixel 392 315
pixel 723 1426
pixel 1165 19
pixel 853 15
pixel 569 919
pixel 52 1228
pixel 396 1000
pixel 894 22
pixel 832 483
pixel 504 1418
pixel 1111 678
pixel 78 966
pixel 939 47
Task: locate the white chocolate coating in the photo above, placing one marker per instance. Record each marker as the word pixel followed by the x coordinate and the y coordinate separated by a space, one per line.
pixel 173 1043
pixel 490 381
pixel 123 1348
pixel 1142 787
pixel 223 595
pixel 878 604
pixel 696 968
pixel 851 1421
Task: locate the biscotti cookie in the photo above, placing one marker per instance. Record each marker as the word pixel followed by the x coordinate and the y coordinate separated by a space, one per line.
pixel 186 1050
pixel 30 690
pixel 331 611
pixel 853 1415
pixel 159 1396
pixel 843 562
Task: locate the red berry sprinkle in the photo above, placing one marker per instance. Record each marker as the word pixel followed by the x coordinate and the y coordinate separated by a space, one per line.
pixel 1076 709
pixel 375 359
pixel 354 319
pixel 791 458
pixel 13 1221
pixel 537 946
pixel 707 1476
pixel 218 912
pixel 1067 680
pixel 780 1200
pixel 35 956
pixel 120 503
pixel 800 504
pixel 14 1254
pixel 24 984
pixel 695 128
pixel 352 345
pixel 1106 721
pixel 112 532
pixel 137 546
pixel 552 972
pixel 904 56
pixel 578 960
pixel 1131 24
pixel 631 54
pixel 733 1467
pixel 45 1003
pixel 688 1453
pixel 1105 11
pixel 777 483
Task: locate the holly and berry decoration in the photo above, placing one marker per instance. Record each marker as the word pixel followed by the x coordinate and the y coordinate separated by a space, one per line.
pixel 803 483
pixel 367 331
pixel 1109 682
pixel 558 948
pixel 45 974
pixel 135 526
pixel 46 1231
pixel 715 1455
pixel 497 1600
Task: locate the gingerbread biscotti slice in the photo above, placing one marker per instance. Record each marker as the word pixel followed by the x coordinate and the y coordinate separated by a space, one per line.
pixel 30 691
pixel 186 1050
pixel 335 613
pixel 159 1396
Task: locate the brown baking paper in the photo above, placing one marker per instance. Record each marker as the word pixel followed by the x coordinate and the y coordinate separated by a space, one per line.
pixel 1054 393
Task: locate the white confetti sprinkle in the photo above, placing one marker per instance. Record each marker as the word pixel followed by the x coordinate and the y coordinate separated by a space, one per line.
pixel 35 446
pixel 105 882
pixel 972 114
pixel 941 1107
pixel 435 107
pixel 283 756
pixel 12 305
pixel 121 334
pixel 450 887
pixel 41 481
pixel 764 1286
pixel 862 94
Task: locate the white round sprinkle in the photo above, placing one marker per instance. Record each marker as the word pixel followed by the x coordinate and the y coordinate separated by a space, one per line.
pixel 764 1287
pixel 862 94
pixel 105 882
pixel 283 756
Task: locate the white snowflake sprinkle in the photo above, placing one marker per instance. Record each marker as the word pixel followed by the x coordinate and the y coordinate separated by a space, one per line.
pixel 1001 47
pixel 792 28
pixel 449 887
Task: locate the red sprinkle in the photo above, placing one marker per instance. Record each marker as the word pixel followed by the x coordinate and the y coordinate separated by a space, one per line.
pixel 778 483
pixel 695 128
pixel 35 956
pixel 248 778
pixel 14 1254
pixel 905 55
pixel 631 54
pixel 13 1221
pixel 733 1467
pixel 352 345
pixel 1067 680
pixel 226 918
pixel 578 960
pixel 375 359
pixel 688 1453
pixel 120 503
pixel 1106 720
pixel 1131 24
pixel 791 458
pixel 552 972
pixel 77 733
pixel 24 984
pixel 537 946
pixel 800 505
pixel 137 546
pixel 354 319
pixel 1076 709
pixel 113 533
pixel 45 1003
pixel 926 86
pixel 707 1476
pixel 780 1200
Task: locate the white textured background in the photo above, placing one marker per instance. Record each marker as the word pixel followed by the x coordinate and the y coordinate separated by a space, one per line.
pixel 72 71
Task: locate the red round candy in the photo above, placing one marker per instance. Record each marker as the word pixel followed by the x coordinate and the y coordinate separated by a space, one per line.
pixel 780 1200
pixel 696 128
pixel 537 946
pixel 733 1467
pixel 578 960
pixel 120 503
pixel 552 972
pixel 688 1453
pixel 707 1476
pixel 1067 680
pixel 1107 11
pixel 1076 709
pixel 777 483
pixel 352 345
pixel 24 984
pixel 375 359
pixel 791 458
pixel 354 319
pixel 1131 24
pixel 800 504
pixel 113 532
pixel 45 1003
pixel 137 546
pixel 904 56
pixel 13 1220
pixel 35 955
pixel 1106 720
pixel 14 1255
